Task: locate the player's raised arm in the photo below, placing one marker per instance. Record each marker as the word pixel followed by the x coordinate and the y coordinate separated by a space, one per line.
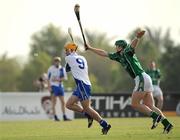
pixel 136 39
pixel 97 51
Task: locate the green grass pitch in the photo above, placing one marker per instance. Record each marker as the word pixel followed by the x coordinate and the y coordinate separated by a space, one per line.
pixel 122 129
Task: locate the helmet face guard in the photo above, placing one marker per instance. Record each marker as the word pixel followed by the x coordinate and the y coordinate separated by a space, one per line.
pixel 121 43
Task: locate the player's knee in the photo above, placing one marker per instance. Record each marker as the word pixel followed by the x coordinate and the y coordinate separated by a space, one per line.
pixel 134 105
pixel 86 109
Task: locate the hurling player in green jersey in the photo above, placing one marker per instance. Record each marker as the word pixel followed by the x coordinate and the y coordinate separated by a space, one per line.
pixel 125 55
pixel 155 75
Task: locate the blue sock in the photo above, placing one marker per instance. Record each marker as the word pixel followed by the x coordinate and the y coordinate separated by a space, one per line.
pixel 103 123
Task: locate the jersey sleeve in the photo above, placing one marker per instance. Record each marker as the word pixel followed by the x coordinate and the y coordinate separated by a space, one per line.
pixel 65 74
pixel 61 73
pixel 112 56
pixel 158 73
pixel 130 50
pixel 49 74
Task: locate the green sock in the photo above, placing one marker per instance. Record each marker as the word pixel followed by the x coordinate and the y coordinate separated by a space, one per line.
pixel 154 115
pixel 165 122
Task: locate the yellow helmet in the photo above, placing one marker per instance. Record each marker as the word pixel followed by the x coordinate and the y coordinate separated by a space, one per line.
pixel 57 59
pixel 71 46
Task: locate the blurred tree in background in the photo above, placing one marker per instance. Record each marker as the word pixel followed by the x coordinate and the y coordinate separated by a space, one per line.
pixel 35 67
pixel 170 65
pixel 50 40
pixel 106 76
pixel 45 44
pixel 171 68
pixel 10 71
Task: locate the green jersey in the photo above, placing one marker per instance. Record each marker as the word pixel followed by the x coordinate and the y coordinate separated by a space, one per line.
pixel 155 75
pixel 128 60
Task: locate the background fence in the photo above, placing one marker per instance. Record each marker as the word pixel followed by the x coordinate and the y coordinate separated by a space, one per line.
pixel 37 106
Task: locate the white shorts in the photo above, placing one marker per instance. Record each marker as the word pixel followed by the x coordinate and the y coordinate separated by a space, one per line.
pixel 157 91
pixel 143 83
